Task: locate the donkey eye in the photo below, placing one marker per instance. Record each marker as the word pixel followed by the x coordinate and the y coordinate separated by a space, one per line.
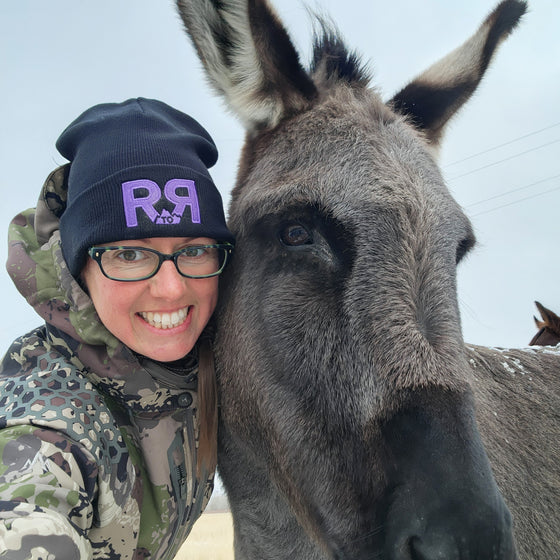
pixel 295 235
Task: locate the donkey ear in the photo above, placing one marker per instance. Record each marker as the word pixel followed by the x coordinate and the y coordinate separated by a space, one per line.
pixel 438 93
pixel 249 59
pixel 550 319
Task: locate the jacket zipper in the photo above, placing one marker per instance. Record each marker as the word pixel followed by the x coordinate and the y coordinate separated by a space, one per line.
pixel 179 487
pixel 181 474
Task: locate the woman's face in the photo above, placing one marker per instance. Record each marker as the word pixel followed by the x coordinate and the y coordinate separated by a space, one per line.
pixel 127 309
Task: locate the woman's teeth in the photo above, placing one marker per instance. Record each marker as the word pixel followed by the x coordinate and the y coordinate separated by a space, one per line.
pixel 162 320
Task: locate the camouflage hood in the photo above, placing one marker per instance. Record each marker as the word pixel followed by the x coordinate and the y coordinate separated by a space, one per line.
pixel 37 268
pixel 39 271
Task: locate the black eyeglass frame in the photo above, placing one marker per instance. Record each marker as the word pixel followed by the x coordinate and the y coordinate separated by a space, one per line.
pixel 96 254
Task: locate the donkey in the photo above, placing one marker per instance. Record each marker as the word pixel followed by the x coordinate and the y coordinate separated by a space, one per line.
pixel 549 328
pixel 354 421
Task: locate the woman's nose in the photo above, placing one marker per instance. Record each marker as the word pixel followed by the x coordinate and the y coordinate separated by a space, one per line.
pixel 168 283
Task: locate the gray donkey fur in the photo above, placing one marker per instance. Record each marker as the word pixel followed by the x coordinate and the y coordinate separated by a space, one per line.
pixel 354 422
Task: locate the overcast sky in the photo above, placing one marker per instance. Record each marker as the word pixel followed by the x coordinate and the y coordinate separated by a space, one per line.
pixel 58 58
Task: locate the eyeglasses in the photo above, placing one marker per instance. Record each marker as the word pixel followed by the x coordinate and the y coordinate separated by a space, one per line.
pixel 130 264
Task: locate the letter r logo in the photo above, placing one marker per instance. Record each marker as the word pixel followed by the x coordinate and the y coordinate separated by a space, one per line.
pixel 132 202
pixel 181 202
pixel 144 194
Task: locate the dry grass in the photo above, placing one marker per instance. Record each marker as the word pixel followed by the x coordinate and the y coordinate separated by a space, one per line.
pixel 210 539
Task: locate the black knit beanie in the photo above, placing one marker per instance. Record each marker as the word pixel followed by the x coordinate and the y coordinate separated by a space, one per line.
pixel 138 169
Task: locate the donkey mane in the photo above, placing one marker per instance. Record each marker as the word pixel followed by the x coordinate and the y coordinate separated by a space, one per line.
pixel 332 57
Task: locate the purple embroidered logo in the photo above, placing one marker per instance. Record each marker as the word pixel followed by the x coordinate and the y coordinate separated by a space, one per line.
pixel 135 197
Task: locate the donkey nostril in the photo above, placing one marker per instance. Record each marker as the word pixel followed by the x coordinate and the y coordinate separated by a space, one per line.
pixel 414 544
pixel 438 549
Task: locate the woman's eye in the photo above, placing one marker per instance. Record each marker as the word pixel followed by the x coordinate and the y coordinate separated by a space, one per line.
pixel 295 235
pixel 193 252
pixel 130 255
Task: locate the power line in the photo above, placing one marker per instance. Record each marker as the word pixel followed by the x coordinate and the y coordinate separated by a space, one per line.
pixel 501 145
pixel 516 201
pixel 505 159
pixel 512 191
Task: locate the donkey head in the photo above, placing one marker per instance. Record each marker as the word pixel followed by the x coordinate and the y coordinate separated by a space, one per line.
pixel 347 423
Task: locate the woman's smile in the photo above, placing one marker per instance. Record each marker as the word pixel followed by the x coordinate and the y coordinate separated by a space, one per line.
pixel 165 319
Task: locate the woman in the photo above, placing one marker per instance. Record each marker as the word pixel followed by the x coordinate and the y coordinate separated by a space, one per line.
pixel 108 411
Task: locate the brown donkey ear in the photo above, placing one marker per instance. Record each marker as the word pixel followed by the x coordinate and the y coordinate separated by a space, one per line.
pixel 550 319
pixel 439 92
pixel 249 59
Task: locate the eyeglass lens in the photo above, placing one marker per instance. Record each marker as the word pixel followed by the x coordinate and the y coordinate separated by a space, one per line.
pixel 127 263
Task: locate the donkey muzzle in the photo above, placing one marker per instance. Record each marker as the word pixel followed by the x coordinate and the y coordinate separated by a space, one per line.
pixel 443 501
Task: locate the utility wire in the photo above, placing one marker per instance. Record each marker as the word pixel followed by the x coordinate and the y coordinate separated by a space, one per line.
pixel 512 191
pixel 501 145
pixel 516 201
pixel 505 159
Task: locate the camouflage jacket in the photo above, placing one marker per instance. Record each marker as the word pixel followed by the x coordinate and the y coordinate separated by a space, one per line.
pixel 97 445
